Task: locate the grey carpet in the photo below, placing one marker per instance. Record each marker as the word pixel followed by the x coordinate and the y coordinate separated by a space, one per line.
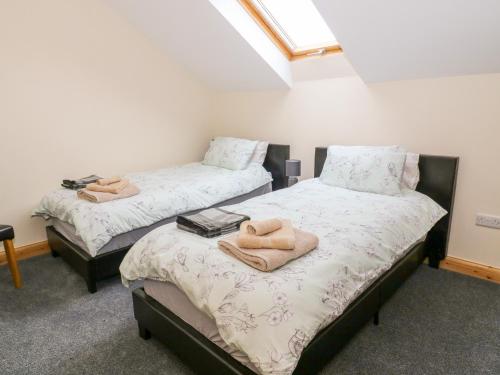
pixel 437 323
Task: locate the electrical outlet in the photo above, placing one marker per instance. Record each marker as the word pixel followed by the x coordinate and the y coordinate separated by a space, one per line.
pixel 489 221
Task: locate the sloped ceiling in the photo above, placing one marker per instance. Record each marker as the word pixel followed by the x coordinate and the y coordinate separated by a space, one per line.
pixel 399 39
pixel 382 40
pixel 196 34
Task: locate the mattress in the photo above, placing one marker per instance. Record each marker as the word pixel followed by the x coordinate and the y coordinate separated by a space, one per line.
pixel 129 238
pixel 170 296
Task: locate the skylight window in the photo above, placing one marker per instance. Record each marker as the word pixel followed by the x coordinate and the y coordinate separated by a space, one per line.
pixel 295 26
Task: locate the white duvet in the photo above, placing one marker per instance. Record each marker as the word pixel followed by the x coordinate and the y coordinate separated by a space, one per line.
pixel 164 193
pixel 271 317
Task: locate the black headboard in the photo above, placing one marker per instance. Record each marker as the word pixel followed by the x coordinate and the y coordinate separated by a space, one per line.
pixel 275 163
pixel 438 176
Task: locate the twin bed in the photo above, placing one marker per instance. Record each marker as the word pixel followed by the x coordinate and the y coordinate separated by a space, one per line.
pixel 94 238
pixel 223 317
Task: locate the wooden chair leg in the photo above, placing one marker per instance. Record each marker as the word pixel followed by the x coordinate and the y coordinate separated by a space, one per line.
pixel 11 260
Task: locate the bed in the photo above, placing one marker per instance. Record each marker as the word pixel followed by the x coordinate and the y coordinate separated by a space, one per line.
pixel 97 249
pixel 165 313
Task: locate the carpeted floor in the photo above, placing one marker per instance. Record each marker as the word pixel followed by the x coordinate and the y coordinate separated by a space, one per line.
pixel 438 323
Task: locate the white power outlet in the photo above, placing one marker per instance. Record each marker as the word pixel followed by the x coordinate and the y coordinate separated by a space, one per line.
pixel 489 221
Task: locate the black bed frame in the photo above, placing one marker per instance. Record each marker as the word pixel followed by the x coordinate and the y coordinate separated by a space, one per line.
pixel 437 180
pixel 103 266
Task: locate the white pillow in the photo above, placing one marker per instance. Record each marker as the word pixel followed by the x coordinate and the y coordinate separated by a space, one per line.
pixel 259 155
pixel 230 153
pixel 411 173
pixel 364 169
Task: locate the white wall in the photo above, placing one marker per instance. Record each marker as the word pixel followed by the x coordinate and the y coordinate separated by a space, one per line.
pixel 448 116
pixel 82 91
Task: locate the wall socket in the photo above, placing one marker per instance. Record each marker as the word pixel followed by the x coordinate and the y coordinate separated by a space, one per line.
pixel 489 221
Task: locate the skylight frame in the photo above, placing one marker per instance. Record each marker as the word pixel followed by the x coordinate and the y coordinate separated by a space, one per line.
pixel 279 40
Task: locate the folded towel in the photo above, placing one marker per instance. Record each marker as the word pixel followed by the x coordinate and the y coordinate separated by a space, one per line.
pixel 212 222
pixel 269 259
pixel 261 227
pixel 100 197
pixel 108 181
pixel 283 238
pixel 114 188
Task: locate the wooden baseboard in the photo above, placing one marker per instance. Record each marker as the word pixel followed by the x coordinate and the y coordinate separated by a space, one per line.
pixel 27 251
pixel 472 269
pixel 449 263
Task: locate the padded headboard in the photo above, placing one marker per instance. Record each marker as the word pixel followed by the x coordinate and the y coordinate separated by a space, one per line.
pixel 438 176
pixel 275 163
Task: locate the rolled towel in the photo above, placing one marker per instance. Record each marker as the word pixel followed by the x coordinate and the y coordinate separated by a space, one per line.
pixel 114 188
pixel 108 181
pixel 283 238
pixel 261 227
pixel 101 197
pixel 267 260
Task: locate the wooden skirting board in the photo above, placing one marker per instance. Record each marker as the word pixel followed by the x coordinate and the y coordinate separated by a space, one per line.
pixel 472 269
pixel 28 251
pixel 449 263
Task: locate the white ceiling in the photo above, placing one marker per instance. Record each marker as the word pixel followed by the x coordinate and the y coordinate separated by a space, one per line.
pixel 402 39
pixel 197 35
pixel 382 40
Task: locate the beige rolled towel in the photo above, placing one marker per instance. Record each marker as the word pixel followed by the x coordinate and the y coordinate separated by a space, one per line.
pixel 101 197
pixel 114 188
pixel 261 227
pixel 283 238
pixel 108 181
pixel 267 260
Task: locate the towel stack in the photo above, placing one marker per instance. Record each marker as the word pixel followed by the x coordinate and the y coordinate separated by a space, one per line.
pixel 108 189
pixel 268 244
pixel 212 222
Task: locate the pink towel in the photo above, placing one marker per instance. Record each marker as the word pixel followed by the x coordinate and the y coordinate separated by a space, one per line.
pixel 269 259
pixel 282 238
pixel 261 227
pixel 100 197
pixel 114 188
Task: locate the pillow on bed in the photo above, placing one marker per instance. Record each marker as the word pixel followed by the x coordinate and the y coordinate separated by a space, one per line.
pixel 259 155
pixel 411 173
pixel 230 153
pixel 373 170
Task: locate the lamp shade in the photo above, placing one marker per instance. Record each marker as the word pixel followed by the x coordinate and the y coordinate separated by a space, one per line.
pixel 292 168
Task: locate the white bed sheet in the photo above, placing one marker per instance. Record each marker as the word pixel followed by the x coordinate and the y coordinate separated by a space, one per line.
pixel 271 317
pixel 164 193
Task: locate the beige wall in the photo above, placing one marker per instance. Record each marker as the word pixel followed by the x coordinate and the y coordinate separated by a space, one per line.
pixel 82 91
pixel 449 116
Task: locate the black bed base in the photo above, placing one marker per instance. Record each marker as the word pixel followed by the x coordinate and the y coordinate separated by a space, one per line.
pixel 101 267
pixel 205 357
pixel 92 269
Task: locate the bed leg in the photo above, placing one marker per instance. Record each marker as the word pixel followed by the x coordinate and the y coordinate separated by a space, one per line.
pixel 375 319
pixel 91 286
pixel 433 261
pixel 54 253
pixel 143 332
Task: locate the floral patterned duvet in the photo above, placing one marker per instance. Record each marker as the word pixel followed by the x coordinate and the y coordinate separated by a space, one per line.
pixel 164 193
pixel 271 317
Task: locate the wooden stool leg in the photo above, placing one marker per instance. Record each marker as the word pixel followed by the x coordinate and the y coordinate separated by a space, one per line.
pixel 11 260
